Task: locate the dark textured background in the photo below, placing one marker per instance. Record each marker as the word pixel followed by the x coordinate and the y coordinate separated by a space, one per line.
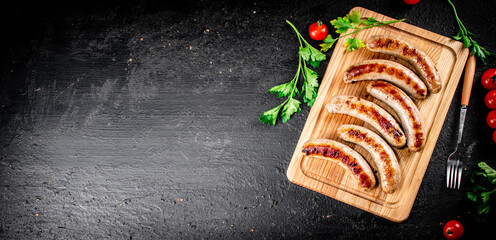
pixel 139 120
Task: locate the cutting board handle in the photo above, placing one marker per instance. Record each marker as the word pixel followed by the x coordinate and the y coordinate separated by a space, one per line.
pixel 468 79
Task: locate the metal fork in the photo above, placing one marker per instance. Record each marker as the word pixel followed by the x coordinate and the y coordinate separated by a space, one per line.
pixel 454 167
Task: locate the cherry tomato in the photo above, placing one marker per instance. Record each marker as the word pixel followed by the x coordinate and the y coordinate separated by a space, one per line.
pixel 489 78
pixel 453 230
pixel 318 31
pixel 411 2
pixel 491 119
pixel 494 136
pixel 490 99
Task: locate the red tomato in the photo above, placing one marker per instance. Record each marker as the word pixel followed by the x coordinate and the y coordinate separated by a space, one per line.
pixel 318 31
pixel 494 136
pixel 453 230
pixel 490 99
pixel 491 119
pixel 489 78
pixel 411 2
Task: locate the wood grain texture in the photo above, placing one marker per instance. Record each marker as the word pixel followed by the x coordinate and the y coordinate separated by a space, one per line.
pixel 468 80
pixel 330 179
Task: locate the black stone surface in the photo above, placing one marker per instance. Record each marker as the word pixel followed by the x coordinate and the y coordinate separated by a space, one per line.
pixel 139 120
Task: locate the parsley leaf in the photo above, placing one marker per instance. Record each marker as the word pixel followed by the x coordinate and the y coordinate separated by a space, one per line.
pixel 282 90
pixel 353 44
pixel 352 21
pixel 328 43
pixel 310 86
pixel 291 107
pixel 342 24
pixel 317 55
pixel 457 37
pixel 307 55
pixel 466 41
pixel 370 21
pixel 485 197
pixel 466 37
pixel 270 116
pixel 490 173
pixel 312 55
pixel 483 210
pixel 484 182
pixel 472 196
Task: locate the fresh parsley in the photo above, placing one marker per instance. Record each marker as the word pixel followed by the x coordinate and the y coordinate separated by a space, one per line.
pixel 484 182
pixel 466 38
pixel 307 55
pixel 352 21
pixel 310 56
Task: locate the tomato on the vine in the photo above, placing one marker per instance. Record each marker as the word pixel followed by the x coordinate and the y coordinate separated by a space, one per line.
pixel 491 119
pixel 490 99
pixel 488 79
pixel 453 230
pixel 411 2
pixel 318 31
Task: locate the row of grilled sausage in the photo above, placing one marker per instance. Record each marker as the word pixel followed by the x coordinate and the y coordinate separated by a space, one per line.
pixel 400 83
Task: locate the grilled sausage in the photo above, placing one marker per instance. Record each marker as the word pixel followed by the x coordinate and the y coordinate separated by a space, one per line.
pixel 346 157
pixel 410 117
pixel 382 154
pixel 418 59
pixel 379 69
pixel 371 113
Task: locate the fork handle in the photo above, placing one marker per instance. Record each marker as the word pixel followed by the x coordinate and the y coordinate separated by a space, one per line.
pixel 463 112
pixel 468 79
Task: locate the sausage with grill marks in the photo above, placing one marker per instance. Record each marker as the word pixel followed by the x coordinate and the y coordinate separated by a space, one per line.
pixel 419 60
pixel 380 69
pixel 372 114
pixel 345 156
pixel 382 154
pixel 407 111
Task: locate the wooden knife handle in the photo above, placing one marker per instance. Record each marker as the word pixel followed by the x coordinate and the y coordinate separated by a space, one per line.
pixel 468 79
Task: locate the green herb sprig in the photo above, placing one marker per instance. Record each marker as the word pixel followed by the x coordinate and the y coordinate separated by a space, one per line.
pixel 466 38
pixel 484 182
pixel 352 21
pixel 307 55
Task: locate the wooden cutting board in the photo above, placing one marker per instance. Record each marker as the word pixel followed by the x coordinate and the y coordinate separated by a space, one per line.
pixel 332 180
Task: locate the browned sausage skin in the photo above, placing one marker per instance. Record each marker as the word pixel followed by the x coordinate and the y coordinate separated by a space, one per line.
pixel 346 157
pixel 380 69
pixel 410 116
pixel 382 154
pixel 372 114
pixel 420 61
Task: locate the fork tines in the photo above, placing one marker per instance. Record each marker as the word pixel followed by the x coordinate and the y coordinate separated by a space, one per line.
pixel 454 174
